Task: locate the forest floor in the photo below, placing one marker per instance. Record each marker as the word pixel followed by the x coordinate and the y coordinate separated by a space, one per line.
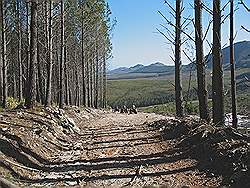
pixel 93 148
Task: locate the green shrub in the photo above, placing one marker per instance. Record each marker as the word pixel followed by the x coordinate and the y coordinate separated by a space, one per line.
pixel 191 107
pixel 12 103
pixel 168 108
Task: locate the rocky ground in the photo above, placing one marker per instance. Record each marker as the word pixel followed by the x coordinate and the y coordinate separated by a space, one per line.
pixel 93 148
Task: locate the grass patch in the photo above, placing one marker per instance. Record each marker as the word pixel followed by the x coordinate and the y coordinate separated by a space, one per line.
pixel 157 94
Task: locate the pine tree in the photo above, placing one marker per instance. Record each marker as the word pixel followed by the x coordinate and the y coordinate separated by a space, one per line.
pixel 217 78
pixel 232 65
pixel 178 63
pixel 200 63
pixel 31 82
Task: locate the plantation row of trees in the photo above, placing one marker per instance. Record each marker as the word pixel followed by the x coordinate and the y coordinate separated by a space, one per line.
pixel 180 27
pixel 54 51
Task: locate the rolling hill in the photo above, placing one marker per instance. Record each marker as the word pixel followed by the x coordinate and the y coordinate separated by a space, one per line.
pixel 242 59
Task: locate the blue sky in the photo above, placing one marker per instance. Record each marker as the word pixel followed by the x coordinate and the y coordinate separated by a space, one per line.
pixel 135 38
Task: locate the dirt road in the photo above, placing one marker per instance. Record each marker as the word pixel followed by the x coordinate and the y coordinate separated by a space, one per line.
pixel 122 150
pixel 111 150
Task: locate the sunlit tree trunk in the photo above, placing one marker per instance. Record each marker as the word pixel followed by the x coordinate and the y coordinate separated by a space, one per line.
pixel 178 63
pixel 20 67
pixel 50 56
pixel 232 64
pixel 200 63
pixel 96 78
pixel 217 79
pixel 30 98
pixel 62 46
pixel 4 56
pixel 104 83
pixel 83 59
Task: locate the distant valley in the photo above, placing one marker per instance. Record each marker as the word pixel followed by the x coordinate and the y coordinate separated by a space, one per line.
pixel 242 58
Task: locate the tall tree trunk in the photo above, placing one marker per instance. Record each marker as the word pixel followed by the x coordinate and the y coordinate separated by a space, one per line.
pixel 178 64
pixel 31 83
pixel 39 76
pixel 104 83
pixel 27 46
pixel 66 86
pixel 92 80
pixel 217 79
pixel 1 79
pixel 4 56
pixel 77 97
pixel 232 65
pixel 96 78
pixel 50 56
pixel 101 82
pixel 200 63
pixel 83 63
pixel 37 89
pixel 61 89
pixel 66 79
pixel 88 78
pixel 70 96
pixel 14 85
pixel 20 68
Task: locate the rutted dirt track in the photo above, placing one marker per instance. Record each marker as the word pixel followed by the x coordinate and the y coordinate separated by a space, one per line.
pixel 111 150
pixel 129 152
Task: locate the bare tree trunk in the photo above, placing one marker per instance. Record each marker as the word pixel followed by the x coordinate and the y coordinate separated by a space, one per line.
pixel 96 79
pixel 178 64
pixel 50 56
pixel 92 80
pixel 217 79
pixel 38 94
pixel 101 82
pixel 88 79
pixel 83 61
pixel 4 56
pixel 104 83
pixel 61 89
pixel 232 65
pixel 70 96
pixel 28 46
pixel 14 86
pixel 31 83
pixel 200 63
pixel 57 69
pixel 66 80
pixel 1 80
pixel 77 97
pixel 39 76
pixel 20 68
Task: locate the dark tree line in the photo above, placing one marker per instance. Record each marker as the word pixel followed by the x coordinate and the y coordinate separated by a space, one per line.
pixel 218 114
pixel 54 52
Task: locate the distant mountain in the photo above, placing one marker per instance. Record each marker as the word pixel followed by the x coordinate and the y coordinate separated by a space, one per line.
pixel 139 68
pixel 242 59
pixel 242 55
pixel 120 70
pixel 124 70
pixel 154 68
pixel 135 68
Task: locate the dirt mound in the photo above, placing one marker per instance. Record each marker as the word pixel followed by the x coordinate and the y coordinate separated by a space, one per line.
pixel 32 140
pixel 221 150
